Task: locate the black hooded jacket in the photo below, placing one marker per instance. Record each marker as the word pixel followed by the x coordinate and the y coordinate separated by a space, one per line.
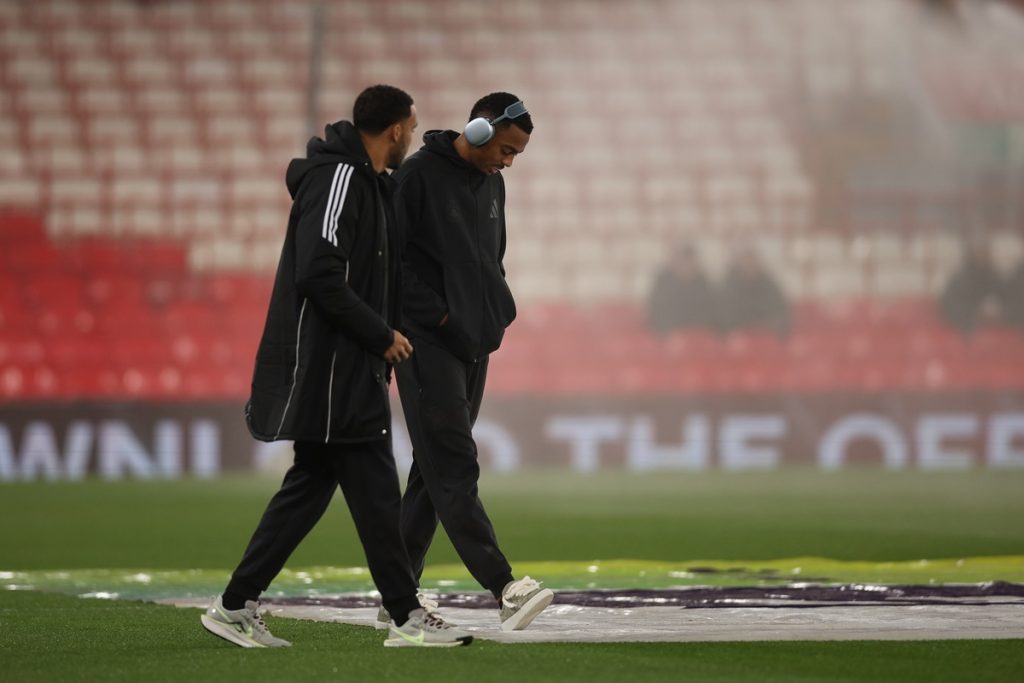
pixel 320 373
pixel 454 221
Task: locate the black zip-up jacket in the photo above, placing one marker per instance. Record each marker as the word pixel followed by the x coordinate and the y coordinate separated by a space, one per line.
pixel 320 373
pixel 454 221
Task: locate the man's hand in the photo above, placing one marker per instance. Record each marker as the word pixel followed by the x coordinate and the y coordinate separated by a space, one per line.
pixel 399 350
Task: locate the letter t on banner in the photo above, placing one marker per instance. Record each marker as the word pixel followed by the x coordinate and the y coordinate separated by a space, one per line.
pixel 585 435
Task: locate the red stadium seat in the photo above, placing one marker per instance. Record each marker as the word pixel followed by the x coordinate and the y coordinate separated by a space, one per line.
pixel 692 344
pixel 104 257
pixel 757 344
pixel 995 342
pixel 32 259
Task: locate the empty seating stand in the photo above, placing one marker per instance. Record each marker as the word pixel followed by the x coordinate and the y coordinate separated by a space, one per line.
pixel 142 203
pixel 126 319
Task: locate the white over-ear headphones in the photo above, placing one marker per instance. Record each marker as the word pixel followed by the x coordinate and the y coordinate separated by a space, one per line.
pixel 479 131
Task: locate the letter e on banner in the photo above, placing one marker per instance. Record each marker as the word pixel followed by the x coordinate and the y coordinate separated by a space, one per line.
pixel 932 430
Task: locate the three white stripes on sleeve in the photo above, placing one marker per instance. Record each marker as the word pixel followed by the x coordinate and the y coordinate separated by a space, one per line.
pixel 335 202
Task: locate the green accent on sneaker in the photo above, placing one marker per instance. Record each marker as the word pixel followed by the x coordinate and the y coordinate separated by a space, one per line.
pixel 426 629
pixel 242 627
pixel 411 639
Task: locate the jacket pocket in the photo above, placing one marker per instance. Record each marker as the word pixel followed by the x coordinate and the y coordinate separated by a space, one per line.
pixel 454 336
pixel 502 305
pixel 464 288
pixel 357 406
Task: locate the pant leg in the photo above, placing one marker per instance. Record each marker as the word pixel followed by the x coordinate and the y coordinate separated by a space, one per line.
pixel 294 510
pixel 369 480
pixel 475 381
pixel 435 390
pixel 419 520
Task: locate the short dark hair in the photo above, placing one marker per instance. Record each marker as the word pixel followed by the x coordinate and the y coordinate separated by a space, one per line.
pixel 492 106
pixel 380 106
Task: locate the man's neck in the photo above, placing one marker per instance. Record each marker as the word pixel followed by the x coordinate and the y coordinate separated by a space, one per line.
pixel 377 150
pixel 462 148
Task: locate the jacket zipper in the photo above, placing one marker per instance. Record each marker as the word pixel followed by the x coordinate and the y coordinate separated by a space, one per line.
pixel 385 254
pixel 330 382
pixel 384 251
pixel 480 259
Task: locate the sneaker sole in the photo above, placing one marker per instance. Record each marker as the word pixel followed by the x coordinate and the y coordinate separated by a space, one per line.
pixel 529 611
pixel 227 633
pixel 402 642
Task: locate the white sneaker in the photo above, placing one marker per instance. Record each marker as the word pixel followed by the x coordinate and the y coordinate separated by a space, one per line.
pixel 426 629
pixel 244 627
pixel 521 602
pixel 384 619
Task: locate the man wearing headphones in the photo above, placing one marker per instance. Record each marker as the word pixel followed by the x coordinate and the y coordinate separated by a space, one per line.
pixel 451 203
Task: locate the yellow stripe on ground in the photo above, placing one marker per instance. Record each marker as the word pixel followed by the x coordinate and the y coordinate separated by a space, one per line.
pixel 595 575
pixel 650 574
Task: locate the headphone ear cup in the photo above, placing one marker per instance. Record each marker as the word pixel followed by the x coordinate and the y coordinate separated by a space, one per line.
pixel 478 132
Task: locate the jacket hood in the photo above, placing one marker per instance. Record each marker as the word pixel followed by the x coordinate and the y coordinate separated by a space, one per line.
pixel 442 142
pixel 341 142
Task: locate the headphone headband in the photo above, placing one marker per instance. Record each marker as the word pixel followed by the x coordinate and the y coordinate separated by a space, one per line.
pixel 479 131
pixel 512 111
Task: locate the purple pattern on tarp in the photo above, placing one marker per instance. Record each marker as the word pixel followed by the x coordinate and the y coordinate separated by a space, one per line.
pixel 860 595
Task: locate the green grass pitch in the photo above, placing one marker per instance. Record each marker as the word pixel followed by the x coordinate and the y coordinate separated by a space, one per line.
pixel 865 515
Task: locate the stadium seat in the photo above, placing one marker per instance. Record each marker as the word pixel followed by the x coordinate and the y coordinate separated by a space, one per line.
pixel 691 345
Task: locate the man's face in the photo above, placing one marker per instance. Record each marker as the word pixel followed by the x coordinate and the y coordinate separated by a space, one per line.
pixel 401 148
pixel 508 143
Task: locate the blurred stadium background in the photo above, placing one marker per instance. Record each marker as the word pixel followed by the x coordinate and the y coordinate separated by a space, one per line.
pixel 857 148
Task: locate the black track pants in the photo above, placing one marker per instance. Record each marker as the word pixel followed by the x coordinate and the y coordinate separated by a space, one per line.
pixel 441 398
pixel 368 478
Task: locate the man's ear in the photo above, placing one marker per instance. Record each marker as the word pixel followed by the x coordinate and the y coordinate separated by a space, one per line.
pixel 396 132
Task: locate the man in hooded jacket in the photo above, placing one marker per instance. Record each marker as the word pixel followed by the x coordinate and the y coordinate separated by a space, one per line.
pixel 322 372
pixel 456 306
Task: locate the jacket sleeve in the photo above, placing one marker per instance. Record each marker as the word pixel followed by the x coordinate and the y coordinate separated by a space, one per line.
pixel 334 209
pixel 421 303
